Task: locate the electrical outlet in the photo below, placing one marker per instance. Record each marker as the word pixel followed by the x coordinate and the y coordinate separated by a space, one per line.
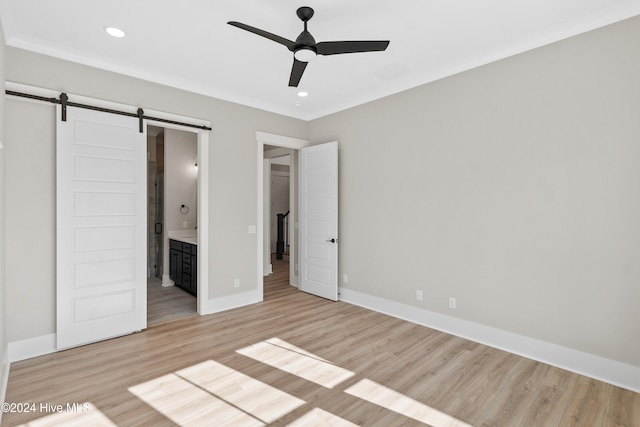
pixel 184 224
pixel 236 283
pixel 419 295
pixel 452 303
pixel 345 279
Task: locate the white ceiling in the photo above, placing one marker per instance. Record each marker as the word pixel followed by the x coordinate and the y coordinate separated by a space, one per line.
pixel 190 46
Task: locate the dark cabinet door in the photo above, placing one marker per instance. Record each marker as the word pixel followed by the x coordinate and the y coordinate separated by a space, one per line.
pixel 194 271
pixel 182 266
pixel 175 266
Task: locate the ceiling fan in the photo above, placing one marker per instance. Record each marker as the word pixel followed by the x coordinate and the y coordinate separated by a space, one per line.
pixel 305 47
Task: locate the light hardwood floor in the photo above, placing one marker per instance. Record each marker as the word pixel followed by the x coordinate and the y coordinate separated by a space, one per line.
pixel 299 360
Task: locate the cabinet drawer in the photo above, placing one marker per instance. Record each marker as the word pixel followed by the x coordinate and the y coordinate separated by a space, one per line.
pixel 186 258
pixel 186 247
pixel 186 281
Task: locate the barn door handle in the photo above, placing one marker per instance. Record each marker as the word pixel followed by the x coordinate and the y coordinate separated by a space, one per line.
pixel 158 228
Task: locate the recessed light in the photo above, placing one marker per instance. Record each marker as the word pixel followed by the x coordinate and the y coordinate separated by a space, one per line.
pixel 302 94
pixel 114 32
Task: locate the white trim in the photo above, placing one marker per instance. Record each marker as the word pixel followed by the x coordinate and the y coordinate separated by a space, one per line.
pixel 31 347
pixel 262 139
pixel 599 368
pixel 203 222
pixel 266 138
pixel 229 302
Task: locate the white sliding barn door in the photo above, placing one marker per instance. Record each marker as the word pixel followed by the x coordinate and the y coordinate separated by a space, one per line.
pixel 101 288
pixel 318 222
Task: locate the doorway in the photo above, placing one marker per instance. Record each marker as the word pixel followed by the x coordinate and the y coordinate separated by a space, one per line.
pixel 278 233
pixel 317 171
pixel 172 208
pixel 276 146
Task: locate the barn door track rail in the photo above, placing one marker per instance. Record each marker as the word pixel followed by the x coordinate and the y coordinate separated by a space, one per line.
pixel 64 102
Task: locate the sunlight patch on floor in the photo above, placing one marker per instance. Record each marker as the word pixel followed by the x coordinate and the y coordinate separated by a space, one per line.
pixel 320 418
pixel 295 361
pixel 282 343
pixel 84 416
pixel 210 392
pixel 188 405
pixel 397 402
pixel 261 400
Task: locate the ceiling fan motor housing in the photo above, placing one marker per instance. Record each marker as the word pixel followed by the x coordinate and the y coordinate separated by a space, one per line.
pixel 305 41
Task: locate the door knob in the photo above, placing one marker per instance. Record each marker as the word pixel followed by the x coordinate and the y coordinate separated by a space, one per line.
pixel 332 240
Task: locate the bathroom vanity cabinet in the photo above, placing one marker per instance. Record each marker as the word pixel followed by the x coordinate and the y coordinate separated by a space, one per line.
pixel 183 266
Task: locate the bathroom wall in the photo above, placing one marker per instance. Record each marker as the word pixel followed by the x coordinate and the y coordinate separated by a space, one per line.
pixel 181 184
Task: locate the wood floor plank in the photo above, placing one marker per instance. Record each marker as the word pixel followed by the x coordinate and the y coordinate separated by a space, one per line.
pixel 376 371
pixel 623 408
pixel 587 404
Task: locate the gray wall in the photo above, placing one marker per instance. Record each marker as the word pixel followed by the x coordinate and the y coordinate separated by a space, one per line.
pixel 30 208
pixel 514 187
pixel 3 341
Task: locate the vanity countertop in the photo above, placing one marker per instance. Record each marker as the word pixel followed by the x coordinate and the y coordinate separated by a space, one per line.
pixel 185 239
pixel 184 236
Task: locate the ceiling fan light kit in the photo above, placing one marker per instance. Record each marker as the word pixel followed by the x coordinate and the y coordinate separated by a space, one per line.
pixel 305 48
pixel 305 54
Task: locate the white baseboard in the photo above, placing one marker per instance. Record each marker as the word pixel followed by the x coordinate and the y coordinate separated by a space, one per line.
pixel 600 368
pixel 32 347
pixel 45 344
pixel 217 305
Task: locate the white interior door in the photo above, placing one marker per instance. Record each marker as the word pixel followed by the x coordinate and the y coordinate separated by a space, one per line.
pixel 318 222
pixel 101 198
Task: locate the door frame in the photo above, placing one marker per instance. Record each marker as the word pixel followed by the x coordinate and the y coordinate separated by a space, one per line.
pixel 203 200
pixel 262 139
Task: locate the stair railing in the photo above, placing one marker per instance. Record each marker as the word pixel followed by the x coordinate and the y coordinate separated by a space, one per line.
pixel 282 242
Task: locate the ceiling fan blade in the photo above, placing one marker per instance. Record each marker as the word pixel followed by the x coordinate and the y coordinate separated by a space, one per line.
pixel 296 72
pixel 288 43
pixel 335 48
